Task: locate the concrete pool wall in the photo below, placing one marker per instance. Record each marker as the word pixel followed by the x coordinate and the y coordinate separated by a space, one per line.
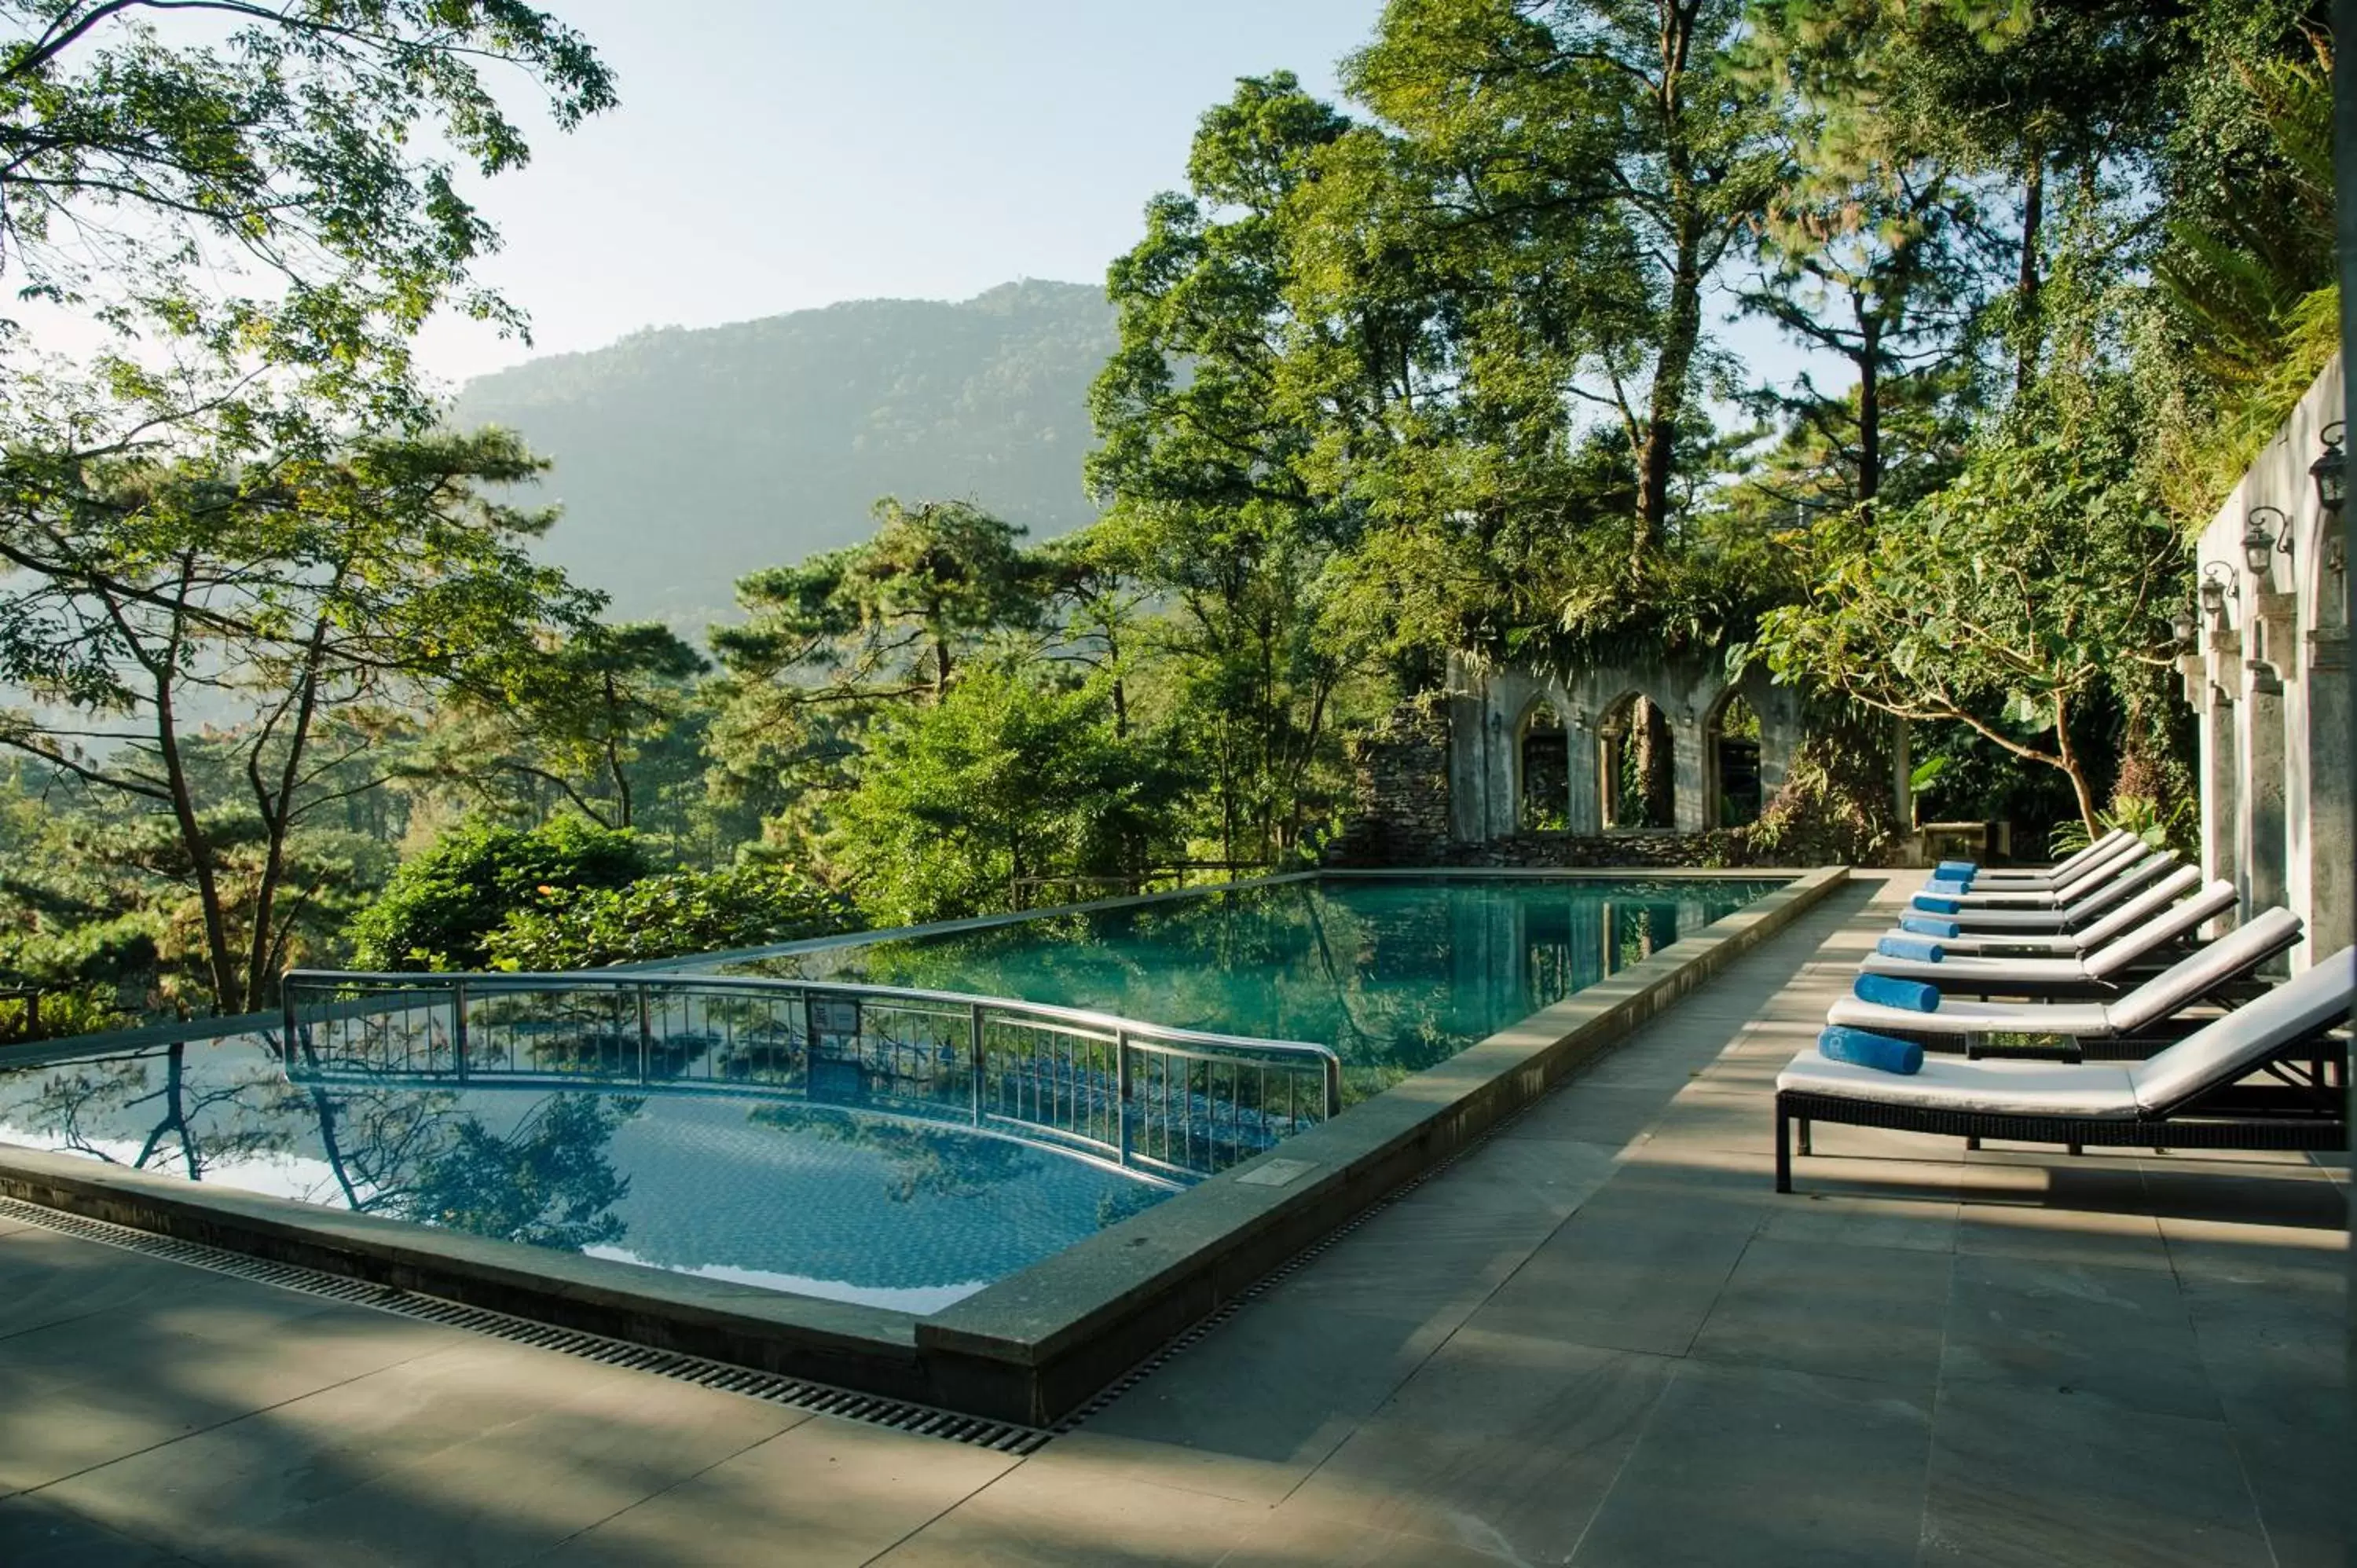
pixel 1033 1347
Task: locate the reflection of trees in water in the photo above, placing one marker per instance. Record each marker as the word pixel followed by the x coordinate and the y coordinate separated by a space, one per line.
pixel 408 1153
pixel 923 1161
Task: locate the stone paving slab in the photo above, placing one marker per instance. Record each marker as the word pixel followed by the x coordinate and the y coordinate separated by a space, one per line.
pixel 1598 1339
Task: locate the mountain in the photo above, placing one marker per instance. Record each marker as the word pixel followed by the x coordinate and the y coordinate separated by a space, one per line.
pixel 686 458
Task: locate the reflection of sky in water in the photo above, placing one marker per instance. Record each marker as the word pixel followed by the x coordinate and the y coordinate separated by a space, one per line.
pixel 1396 974
pixel 818 1201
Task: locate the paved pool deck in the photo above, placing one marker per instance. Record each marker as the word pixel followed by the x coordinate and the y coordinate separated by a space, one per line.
pixel 1600 1338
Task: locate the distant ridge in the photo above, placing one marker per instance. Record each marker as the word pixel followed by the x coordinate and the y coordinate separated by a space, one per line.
pixel 686 458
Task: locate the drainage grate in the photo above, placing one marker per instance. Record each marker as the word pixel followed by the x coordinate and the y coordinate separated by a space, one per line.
pixel 818 1398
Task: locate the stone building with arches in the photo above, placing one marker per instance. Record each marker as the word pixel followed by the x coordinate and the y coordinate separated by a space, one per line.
pixel 1625 763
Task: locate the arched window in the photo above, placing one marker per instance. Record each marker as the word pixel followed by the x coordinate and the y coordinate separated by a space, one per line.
pixel 1636 769
pixel 1546 773
pixel 1732 763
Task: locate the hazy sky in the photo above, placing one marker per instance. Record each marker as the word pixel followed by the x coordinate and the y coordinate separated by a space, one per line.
pixel 774 157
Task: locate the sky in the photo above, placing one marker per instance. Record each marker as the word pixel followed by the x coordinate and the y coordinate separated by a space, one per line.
pixel 769 157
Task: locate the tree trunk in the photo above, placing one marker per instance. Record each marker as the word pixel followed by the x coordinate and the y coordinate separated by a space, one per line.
pixel 1869 410
pixel 2029 339
pixel 1657 461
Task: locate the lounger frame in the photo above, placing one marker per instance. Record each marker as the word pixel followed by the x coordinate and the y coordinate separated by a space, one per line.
pixel 2305 1108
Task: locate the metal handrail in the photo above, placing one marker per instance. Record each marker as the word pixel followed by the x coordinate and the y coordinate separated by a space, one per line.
pixel 682 979
pixel 1082 1093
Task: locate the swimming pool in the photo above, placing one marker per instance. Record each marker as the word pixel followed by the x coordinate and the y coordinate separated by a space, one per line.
pixel 1395 973
pixel 814 1200
pixel 895 1158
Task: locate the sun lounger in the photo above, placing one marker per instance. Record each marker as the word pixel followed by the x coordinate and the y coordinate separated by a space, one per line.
pixel 2208 974
pixel 2192 1095
pixel 2102 971
pixel 2112 863
pixel 2091 906
pixel 2000 878
pixel 2180 881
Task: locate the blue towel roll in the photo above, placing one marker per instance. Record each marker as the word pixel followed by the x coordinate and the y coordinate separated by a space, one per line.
pixel 1935 906
pixel 1939 889
pixel 1864 1048
pixel 1911 948
pixel 1925 926
pixel 1957 870
pixel 1889 992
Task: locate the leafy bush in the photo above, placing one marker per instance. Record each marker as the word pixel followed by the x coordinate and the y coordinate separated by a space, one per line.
pixel 1834 808
pixel 437 909
pixel 666 917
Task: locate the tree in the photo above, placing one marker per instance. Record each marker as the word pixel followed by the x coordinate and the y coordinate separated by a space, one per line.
pixel 963 806
pixel 439 908
pixel 584 712
pixel 153 151
pixel 1618 144
pixel 1208 427
pixel 829 643
pixel 155 598
pixel 2007 601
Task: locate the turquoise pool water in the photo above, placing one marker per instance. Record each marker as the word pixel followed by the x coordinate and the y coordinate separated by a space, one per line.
pixel 1394 973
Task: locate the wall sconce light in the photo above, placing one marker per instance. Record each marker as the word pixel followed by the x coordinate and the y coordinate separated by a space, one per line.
pixel 2183 627
pixel 2331 482
pixel 2262 526
pixel 2218 585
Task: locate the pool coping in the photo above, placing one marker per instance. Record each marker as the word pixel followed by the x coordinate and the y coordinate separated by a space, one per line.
pixel 1028 1348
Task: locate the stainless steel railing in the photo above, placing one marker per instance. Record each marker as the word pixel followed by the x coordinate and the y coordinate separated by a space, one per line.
pixel 1169 1101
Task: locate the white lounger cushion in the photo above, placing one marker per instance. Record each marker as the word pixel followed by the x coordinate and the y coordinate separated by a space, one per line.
pixel 2112 958
pixel 2191 978
pixel 1954 1084
pixel 2218 1054
pixel 2229 1048
pixel 1959 1019
pixel 2061 871
pixel 2164 996
pixel 2144 905
pixel 2116 861
pixel 2114 890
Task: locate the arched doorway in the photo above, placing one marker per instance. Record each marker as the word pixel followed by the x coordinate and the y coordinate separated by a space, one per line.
pixel 1731 764
pixel 1636 768
pixel 1544 768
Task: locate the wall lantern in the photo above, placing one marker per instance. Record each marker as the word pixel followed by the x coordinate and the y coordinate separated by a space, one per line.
pixel 2218 586
pixel 2262 525
pixel 2331 483
pixel 2183 627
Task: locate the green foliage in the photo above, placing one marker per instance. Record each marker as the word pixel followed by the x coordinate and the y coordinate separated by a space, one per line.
pixel 670 916
pixel 146 160
pixel 2007 601
pixel 438 909
pixel 965 805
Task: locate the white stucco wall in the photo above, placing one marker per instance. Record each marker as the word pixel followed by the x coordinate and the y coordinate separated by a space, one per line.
pixel 2292 634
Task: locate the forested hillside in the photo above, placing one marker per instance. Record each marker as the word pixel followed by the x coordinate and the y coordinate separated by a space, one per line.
pixel 686 458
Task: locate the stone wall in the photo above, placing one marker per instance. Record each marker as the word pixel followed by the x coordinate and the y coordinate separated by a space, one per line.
pixel 1399 781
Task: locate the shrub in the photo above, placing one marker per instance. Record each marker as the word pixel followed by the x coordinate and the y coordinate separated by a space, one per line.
pixel 671 916
pixel 436 909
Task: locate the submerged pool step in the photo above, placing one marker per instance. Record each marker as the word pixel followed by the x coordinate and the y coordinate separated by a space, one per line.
pixel 819 1399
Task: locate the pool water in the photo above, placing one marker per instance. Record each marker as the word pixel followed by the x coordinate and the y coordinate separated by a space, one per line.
pixel 767 1188
pixel 1394 973
pixel 814 1200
